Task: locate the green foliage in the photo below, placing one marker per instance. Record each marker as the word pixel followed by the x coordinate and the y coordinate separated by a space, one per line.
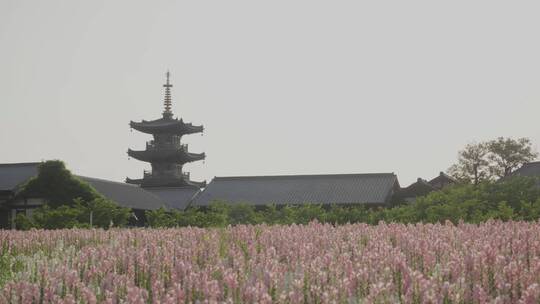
pixel 307 213
pixel 473 164
pixel 58 218
pixel 492 159
pixel 507 154
pixel 7 262
pixel 270 214
pixel 57 185
pixel 160 218
pixel 23 222
pixel 516 198
pixel 217 215
pixel 191 217
pixel 529 211
pixel 242 214
pixel 70 202
pixel 105 214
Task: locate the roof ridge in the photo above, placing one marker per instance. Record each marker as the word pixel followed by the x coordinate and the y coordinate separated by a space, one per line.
pixel 106 180
pixel 20 164
pixel 122 184
pixel 441 174
pixel 170 187
pixel 302 176
pixel 420 181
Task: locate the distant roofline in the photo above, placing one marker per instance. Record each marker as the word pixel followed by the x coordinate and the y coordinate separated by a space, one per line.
pixel 105 180
pixel 302 176
pixel 419 181
pixel 79 176
pixel 170 187
pixel 19 164
pixel 442 174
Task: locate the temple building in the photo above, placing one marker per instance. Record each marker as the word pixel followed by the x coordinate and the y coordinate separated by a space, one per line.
pixel 371 189
pixel 423 187
pixel 531 169
pixel 14 176
pixel 167 156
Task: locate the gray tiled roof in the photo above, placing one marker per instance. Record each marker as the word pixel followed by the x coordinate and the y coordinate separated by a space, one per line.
pixel 444 177
pixel 126 195
pixel 14 175
pixel 376 188
pixel 174 197
pixel 528 169
pixel 419 188
pixel 131 196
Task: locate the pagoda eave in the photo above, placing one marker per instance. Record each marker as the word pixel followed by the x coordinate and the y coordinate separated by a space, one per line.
pixel 165 152
pixel 133 181
pixel 176 156
pixel 155 182
pixel 166 126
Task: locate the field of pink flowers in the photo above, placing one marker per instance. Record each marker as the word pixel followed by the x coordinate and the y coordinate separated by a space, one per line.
pixel 388 263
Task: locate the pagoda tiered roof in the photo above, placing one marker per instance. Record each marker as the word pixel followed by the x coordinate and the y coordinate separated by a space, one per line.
pixel 178 156
pixel 150 181
pixel 165 152
pixel 166 126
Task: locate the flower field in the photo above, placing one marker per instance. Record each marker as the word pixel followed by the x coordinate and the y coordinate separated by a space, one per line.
pixel 388 263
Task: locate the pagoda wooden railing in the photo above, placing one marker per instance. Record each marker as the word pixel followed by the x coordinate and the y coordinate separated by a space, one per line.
pixel 148 174
pixel 150 146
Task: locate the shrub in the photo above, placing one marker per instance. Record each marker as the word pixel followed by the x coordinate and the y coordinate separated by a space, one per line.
pixel 23 222
pixel 160 218
pixel 243 214
pixel 517 198
pixel 57 185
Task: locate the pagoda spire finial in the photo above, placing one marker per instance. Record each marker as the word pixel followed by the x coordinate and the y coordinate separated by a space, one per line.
pixel 167 103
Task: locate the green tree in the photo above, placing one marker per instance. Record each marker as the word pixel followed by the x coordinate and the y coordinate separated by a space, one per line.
pixel 104 213
pixel 513 191
pixel 58 218
pixel 473 164
pixel 57 185
pixel 507 154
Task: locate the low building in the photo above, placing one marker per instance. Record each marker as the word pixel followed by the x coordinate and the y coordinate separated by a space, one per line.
pixel 13 176
pixel 175 197
pixel 442 180
pixel 419 188
pixel 423 187
pixel 531 169
pixel 375 189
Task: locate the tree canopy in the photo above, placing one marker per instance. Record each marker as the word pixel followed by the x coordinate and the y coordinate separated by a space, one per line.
pixel 492 159
pixel 71 202
pixel 507 154
pixel 58 186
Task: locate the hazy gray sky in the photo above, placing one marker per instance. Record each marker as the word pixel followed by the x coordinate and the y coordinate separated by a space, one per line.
pixel 282 87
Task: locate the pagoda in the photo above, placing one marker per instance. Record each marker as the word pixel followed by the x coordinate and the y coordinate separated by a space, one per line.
pixel 166 154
